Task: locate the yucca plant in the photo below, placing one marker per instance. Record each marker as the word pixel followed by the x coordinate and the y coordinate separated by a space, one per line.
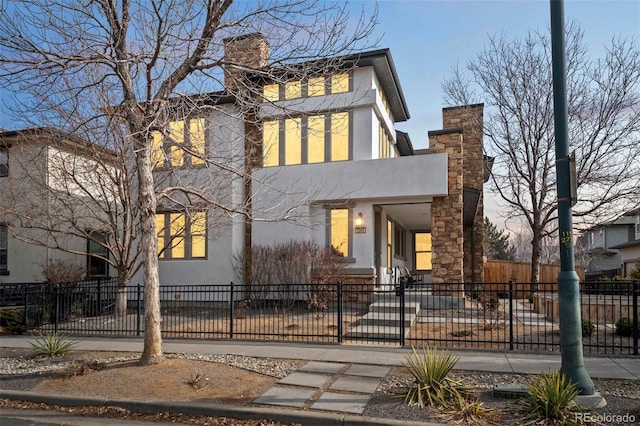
pixel 431 386
pixel 470 412
pixel 549 400
pixel 50 345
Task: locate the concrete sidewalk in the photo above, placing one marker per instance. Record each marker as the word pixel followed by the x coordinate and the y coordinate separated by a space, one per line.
pixel 332 388
pixel 497 362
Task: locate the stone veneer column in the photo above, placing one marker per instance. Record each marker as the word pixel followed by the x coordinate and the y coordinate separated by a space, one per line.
pixel 447 239
pixel 470 119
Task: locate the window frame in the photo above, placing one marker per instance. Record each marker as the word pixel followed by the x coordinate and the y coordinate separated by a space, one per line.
pixel 416 252
pixel 301 87
pixel 93 236
pixel 400 241
pixel 281 144
pixel 164 151
pixel 165 253
pixel 348 257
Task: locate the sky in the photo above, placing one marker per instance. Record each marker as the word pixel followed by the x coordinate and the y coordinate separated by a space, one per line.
pixel 428 37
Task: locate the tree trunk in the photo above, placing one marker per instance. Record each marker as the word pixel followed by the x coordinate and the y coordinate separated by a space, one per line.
pixel 152 353
pixel 120 308
pixel 536 245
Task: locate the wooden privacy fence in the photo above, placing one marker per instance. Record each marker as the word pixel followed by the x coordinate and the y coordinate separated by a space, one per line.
pixel 501 271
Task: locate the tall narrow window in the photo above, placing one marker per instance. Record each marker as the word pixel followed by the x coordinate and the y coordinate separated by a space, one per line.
pixel 98 255
pixel 422 244
pixel 339 231
pixel 340 136
pixel 182 236
pixel 293 141
pixel 4 161
pixel 196 140
pixel 4 249
pixel 271 143
pixel 315 139
pixel 176 135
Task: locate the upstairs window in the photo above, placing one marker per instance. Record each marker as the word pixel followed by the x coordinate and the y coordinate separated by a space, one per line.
pixel 4 161
pixel 182 145
pixel 182 236
pixel 307 139
pixel 313 86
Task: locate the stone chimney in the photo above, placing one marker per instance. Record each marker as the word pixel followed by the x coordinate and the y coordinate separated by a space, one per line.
pixel 242 53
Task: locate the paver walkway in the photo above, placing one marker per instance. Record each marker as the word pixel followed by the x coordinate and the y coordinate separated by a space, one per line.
pixel 327 386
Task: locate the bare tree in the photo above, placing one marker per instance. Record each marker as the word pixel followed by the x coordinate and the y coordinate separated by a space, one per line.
pixel 149 59
pixel 513 79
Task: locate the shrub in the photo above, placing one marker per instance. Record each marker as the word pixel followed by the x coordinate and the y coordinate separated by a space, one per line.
pixel 431 386
pixel 12 321
pixel 61 271
pixel 50 345
pixel 587 328
pixel 624 327
pixel 549 399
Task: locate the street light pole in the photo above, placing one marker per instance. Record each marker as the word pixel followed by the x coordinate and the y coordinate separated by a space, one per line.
pixel 568 281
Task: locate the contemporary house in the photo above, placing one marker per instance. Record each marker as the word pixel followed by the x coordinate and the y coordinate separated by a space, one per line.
pixel 600 246
pixel 318 160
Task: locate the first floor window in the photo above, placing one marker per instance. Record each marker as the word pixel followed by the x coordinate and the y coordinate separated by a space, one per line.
pixel 181 235
pixel 4 242
pixel 339 236
pixel 422 244
pixel 97 264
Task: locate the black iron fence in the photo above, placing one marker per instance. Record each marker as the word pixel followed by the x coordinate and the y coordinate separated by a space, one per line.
pixel 501 316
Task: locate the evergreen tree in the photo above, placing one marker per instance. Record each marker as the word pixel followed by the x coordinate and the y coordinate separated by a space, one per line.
pixel 496 244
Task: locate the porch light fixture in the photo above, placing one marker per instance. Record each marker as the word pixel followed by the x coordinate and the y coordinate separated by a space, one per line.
pixel 359 219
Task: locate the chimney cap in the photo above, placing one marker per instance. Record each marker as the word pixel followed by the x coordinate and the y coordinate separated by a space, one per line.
pixel 256 34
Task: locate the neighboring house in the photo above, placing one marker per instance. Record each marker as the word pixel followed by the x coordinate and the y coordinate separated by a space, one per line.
pixel 330 168
pixel 599 246
pixel 37 167
pixel 630 251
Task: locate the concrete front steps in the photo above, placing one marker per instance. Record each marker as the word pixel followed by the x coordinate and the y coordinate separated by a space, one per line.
pixel 383 321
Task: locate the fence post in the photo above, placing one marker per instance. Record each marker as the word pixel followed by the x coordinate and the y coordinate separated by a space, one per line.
pixel 402 307
pixel 231 310
pixel 510 315
pixel 57 311
pixel 339 285
pixel 139 289
pixel 636 289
